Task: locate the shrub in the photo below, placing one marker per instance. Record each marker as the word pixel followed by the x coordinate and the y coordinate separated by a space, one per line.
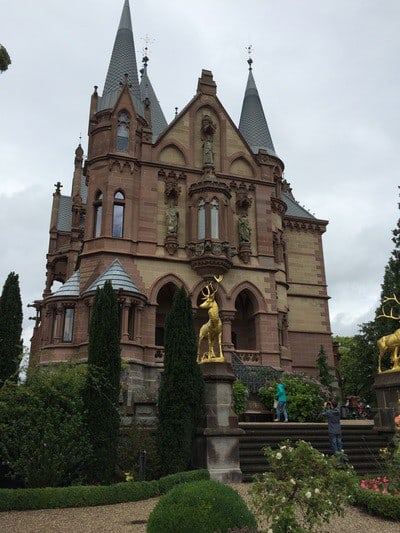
pixel 200 507
pixel 43 440
pixel 384 505
pixel 90 495
pixel 302 488
pixel 240 394
pixel 305 396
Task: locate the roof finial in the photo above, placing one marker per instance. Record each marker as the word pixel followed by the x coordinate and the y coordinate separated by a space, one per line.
pixel 249 51
pixel 146 49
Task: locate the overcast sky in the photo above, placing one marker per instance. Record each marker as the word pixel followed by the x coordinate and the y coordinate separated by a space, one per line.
pixel 328 75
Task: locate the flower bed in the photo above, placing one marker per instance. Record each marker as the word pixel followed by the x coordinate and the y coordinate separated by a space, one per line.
pixel 379 496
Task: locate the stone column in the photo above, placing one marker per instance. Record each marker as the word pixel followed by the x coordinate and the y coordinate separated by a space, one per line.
pixel 221 433
pixel 387 387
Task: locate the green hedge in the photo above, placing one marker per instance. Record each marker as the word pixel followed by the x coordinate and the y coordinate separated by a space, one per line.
pixel 376 503
pixel 91 495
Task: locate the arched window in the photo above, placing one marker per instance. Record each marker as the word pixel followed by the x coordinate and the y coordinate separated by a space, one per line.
pixel 98 212
pixel 123 132
pixel 118 214
pixel 214 219
pixel 201 219
pixel 68 327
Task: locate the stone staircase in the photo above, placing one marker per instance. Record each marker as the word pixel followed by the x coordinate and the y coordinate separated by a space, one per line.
pixel 361 443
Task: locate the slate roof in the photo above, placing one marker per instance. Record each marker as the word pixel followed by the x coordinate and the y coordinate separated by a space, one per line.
pixel 118 276
pixel 158 122
pixel 294 209
pixel 64 219
pixel 253 124
pixel 123 61
pixel 70 287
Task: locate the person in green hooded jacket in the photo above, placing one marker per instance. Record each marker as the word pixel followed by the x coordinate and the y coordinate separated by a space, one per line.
pixel 280 395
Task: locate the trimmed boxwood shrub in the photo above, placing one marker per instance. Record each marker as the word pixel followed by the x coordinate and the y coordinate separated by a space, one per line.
pixel 200 507
pixel 91 495
pixel 376 503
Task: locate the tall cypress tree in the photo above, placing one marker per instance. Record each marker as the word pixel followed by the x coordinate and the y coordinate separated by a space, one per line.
pixel 325 375
pixel 101 392
pixel 10 329
pixel 181 394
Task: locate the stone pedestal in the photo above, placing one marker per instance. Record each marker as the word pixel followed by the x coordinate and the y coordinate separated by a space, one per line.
pixel 387 387
pixel 220 440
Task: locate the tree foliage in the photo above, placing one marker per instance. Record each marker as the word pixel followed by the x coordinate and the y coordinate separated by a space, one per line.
pixel 5 60
pixel 43 442
pixel 181 394
pixel 101 393
pixel 358 366
pixel 325 376
pixel 10 329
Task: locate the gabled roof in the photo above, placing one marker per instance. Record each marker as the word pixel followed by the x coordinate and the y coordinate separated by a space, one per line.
pixel 253 124
pixel 70 287
pixel 118 276
pixel 294 209
pixel 158 122
pixel 123 61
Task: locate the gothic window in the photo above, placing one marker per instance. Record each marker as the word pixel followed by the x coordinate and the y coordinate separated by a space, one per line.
pixel 131 323
pixel 54 325
pixel 214 219
pixel 123 132
pixel 201 219
pixel 68 324
pixel 98 212
pixel 118 214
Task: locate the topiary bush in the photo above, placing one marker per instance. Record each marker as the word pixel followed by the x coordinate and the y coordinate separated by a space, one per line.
pixel 200 507
pixel 305 396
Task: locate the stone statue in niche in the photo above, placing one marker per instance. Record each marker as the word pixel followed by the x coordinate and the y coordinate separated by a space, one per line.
pixel 208 129
pixel 171 220
pixel 244 229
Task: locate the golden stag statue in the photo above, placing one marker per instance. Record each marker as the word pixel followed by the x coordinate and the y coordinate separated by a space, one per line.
pixel 389 343
pixel 211 330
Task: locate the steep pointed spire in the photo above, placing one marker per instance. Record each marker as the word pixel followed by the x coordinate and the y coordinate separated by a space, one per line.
pixel 158 122
pixel 123 62
pixel 253 124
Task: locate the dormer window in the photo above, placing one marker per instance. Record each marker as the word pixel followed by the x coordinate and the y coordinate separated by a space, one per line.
pixel 123 132
pixel 98 212
pixel 118 214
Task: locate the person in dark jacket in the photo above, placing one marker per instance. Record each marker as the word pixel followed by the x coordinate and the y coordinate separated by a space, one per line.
pixel 331 411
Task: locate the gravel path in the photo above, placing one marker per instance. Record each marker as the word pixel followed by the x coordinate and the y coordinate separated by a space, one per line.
pixel 127 517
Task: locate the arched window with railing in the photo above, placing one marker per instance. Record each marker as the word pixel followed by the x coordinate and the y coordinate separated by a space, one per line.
pixel 123 132
pixel 118 214
pixel 98 214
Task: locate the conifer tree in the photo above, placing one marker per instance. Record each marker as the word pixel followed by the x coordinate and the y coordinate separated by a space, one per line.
pixel 181 394
pixel 325 376
pixel 10 329
pixel 101 392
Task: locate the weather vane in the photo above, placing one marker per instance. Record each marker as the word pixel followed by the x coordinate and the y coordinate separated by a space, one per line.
pixel 146 49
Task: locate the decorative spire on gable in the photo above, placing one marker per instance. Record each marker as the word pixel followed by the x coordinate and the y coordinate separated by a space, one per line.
pixel 122 63
pixel 148 95
pixel 253 124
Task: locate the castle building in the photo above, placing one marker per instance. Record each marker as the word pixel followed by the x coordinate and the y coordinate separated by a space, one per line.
pixel 154 206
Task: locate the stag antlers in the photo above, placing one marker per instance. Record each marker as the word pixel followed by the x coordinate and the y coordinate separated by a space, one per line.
pixel 384 314
pixel 208 292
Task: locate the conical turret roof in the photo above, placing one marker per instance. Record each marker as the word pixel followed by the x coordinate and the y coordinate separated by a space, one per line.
pixel 158 122
pixel 253 124
pixel 123 62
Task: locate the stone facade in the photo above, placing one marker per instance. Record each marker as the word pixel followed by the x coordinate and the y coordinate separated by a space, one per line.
pixel 153 212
